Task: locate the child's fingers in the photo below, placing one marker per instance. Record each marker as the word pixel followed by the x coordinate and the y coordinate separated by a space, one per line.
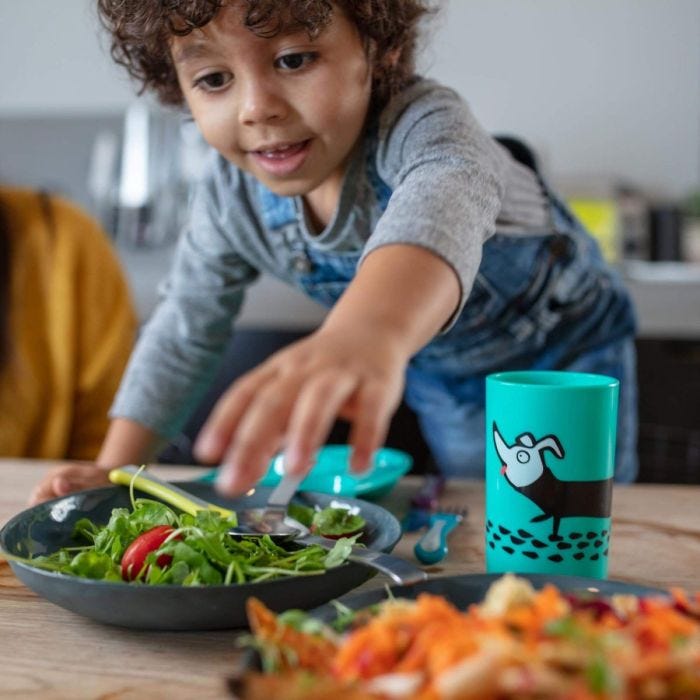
pixel 370 425
pixel 64 480
pixel 41 492
pixel 259 433
pixel 245 464
pixel 318 405
pixel 80 478
pixel 64 484
pixel 215 435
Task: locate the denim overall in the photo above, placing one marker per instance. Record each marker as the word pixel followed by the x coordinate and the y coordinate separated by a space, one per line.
pixel 544 301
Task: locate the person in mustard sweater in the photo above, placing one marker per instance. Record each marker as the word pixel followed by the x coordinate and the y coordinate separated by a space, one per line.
pixel 67 327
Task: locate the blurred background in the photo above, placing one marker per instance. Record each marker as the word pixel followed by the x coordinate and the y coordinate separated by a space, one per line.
pixel 606 92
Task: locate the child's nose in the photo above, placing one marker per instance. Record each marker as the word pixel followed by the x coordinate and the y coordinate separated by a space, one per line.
pixel 260 103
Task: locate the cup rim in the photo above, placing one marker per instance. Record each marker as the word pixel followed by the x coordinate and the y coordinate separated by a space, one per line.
pixel 553 379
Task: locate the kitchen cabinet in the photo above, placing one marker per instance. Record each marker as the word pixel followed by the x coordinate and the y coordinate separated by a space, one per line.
pixel 667 297
pixel 669 409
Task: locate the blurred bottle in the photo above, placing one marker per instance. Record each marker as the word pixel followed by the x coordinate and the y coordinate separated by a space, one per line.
pixel 140 180
pixel 691 227
pixel 665 228
pixel 633 222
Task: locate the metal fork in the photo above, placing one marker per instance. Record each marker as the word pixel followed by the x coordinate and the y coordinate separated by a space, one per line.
pixel 432 546
pixel 272 519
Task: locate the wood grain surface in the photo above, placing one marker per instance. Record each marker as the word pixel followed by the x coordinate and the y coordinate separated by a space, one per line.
pixel 49 653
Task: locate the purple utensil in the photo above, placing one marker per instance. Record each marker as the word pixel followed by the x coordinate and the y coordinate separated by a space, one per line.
pixel 424 503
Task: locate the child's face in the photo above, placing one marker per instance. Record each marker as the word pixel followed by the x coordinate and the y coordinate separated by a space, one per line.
pixel 288 110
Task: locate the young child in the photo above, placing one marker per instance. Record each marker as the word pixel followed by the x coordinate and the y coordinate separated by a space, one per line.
pixel 337 169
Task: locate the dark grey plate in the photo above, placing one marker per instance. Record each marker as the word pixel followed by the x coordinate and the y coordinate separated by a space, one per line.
pixel 49 526
pixel 466 589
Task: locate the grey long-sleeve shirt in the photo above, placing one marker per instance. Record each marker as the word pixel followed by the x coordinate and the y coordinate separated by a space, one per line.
pixel 451 186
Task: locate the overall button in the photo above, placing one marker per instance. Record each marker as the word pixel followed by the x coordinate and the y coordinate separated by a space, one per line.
pixel 302 264
pixel 522 328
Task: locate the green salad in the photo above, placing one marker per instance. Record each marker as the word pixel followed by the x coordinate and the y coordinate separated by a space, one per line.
pixel 152 544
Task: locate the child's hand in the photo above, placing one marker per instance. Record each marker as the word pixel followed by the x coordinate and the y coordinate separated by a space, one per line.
pixel 293 399
pixel 60 481
pixel 352 368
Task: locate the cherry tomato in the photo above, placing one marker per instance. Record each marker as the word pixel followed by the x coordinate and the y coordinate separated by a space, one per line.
pixel 134 557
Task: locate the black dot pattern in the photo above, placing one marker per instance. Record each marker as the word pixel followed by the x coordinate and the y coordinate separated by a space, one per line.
pixel 558 548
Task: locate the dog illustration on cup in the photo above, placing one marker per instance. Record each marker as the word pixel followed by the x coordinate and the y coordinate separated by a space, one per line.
pixel 523 465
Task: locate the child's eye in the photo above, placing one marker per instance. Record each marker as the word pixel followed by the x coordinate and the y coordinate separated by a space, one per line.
pixel 212 82
pixel 295 61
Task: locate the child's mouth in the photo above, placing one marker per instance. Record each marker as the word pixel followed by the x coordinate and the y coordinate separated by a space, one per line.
pixel 283 159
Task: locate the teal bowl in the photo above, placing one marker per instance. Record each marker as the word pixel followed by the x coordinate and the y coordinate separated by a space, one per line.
pixel 331 473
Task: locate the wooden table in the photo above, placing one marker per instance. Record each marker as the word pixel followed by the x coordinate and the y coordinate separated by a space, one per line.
pixel 47 652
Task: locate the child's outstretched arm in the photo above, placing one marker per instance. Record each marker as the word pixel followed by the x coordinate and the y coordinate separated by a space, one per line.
pixel 352 367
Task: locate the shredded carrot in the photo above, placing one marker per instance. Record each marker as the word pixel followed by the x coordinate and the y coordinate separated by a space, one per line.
pixel 311 652
pixel 541 645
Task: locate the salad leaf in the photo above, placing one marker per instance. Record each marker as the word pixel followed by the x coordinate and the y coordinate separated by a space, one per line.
pixel 202 551
pixel 303 622
pixel 601 677
pixel 340 552
pixel 328 522
pixel 337 522
pixel 304 514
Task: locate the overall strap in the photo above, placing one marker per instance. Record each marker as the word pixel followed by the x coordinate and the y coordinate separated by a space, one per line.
pixel 382 191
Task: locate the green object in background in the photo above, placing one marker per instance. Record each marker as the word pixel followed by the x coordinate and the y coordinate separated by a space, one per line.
pixel 331 473
pixel 550 460
pixel 600 217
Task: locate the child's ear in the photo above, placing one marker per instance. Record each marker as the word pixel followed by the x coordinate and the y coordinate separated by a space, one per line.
pixel 382 63
pixel 387 60
pixel 392 58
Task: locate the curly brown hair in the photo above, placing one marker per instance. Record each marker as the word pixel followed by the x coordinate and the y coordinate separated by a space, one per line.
pixel 141 31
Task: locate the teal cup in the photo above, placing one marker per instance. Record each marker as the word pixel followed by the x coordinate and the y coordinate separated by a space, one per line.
pixel 550 460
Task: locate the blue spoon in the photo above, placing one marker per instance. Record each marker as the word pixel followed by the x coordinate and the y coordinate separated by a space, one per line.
pixel 432 546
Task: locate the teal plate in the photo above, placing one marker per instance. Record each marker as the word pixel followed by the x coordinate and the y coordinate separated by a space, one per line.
pixel 331 473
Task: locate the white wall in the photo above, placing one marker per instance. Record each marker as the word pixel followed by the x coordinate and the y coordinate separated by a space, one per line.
pixel 54 60
pixel 601 88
